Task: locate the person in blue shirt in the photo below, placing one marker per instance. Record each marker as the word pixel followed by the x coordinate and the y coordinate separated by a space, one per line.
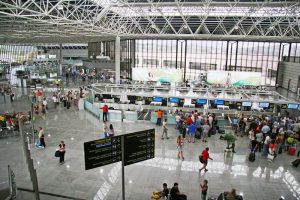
pixel 192 132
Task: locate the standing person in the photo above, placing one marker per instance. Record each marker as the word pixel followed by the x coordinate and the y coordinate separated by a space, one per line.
pixel 204 188
pixel 165 130
pixel 39 95
pixel 205 129
pixel 41 137
pixel 192 132
pixel 105 129
pixel 111 132
pixel 12 95
pixel 33 94
pixel 259 138
pixel 159 115
pixel 205 157
pixel 180 143
pixel 177 118
pixel 105 112
pixel 62 151
pixel 45 104
pixel 175 194
pixel 266 145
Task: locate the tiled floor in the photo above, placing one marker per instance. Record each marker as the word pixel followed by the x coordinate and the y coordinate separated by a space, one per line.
pixel 259 180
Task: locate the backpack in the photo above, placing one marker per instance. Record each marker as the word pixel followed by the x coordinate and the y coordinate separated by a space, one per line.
pixel 201 158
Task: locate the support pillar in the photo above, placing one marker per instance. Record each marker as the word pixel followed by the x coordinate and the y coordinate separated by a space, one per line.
pixel 117 60
pixel 60 59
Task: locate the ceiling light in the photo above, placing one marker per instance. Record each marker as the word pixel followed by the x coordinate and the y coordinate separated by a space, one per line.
pixel 236 27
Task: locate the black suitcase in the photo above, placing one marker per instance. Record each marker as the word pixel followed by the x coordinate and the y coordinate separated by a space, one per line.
pixel 221 131
pixel 252 157
pixel 280 150
pixel 296 162
pixel 65 103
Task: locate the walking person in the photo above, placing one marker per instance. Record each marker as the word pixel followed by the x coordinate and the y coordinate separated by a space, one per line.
pixel 41 137
pixel 165 130
pixel 105 129
pixel 180 143
pixel 12 95
pixel 62 151
pixel 205 157
pixel 204 188
pixel 105 112
pixel 159 115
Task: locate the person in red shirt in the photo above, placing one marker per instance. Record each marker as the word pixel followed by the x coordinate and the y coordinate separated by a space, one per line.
pixel 105 112
pixel 205 157
pixel 189 120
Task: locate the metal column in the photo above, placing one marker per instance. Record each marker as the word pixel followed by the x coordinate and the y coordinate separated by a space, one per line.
pixel 117 60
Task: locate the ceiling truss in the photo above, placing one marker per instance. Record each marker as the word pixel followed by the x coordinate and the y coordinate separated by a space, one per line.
pixel 59 21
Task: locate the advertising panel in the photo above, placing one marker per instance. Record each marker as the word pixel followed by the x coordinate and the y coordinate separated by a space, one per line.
pixel 157 74
pixel 234 78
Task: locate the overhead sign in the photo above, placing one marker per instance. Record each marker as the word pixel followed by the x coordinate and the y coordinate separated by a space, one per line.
pixel 139 146
pixel 102 152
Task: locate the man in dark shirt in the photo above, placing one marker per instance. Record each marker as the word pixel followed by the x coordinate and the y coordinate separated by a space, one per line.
pixel 175 194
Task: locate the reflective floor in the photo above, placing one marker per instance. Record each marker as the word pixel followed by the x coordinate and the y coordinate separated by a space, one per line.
pixel 259 180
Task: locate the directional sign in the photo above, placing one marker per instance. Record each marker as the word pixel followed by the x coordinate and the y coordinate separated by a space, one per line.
pixel 102 152
pixel 139 146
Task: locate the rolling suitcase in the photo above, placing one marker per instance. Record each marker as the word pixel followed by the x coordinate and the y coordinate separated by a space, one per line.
pixel 252 157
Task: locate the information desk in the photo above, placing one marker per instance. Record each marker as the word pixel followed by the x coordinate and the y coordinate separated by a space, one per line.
pixel 170 118
pixel 131 116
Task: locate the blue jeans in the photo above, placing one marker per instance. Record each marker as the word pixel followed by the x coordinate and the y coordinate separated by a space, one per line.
pixel 265 150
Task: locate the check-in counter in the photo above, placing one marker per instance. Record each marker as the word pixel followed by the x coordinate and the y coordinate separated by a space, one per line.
pixel 131 116
pixel 113 115
pixel 170 118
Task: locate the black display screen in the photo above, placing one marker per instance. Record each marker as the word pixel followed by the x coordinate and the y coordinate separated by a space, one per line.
pixel 107 96
pixel 102 152
pixel 181 103
pixel 283 106
pixel 148 100
pixel 139 146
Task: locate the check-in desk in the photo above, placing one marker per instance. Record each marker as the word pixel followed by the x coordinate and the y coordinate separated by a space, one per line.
pixel 131 116
pixel 170 118
pixel 113 115
pixel 222 107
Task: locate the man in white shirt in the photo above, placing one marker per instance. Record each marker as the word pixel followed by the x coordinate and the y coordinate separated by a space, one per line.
pixel 45 104
pixel 165 129
pixel 177 119
pixel 266 145
pixel 210 120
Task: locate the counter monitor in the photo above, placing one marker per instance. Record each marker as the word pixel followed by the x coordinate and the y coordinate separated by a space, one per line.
pixel 247 104
pixel 201 101
pixel 219 102
pixel 173 100
pixel 264 104
pixel 157 99
pixel 293 106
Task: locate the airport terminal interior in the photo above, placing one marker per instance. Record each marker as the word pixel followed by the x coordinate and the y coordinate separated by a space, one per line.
pixel 149 99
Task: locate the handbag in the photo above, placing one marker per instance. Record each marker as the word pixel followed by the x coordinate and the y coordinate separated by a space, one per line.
pixel 201 158
pixel 57 153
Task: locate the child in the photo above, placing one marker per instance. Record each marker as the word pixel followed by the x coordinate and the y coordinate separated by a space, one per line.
pixel 204 188
pixel 180 143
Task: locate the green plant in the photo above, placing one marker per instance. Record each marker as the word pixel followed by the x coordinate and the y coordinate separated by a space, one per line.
pixel 229 137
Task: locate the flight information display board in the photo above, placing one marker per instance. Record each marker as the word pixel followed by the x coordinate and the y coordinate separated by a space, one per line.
pixel 102 152
pixel 139 146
